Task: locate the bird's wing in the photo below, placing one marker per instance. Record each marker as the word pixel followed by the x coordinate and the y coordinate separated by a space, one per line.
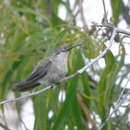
pixel 39 72
pixel 32 80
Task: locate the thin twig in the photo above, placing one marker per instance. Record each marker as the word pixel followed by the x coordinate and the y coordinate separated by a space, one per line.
pixel 25 96
pixel 82 15
pixel 24 125
pixel 104 7
pixel 105 12
pixel 119 30
pixel 73 18
pixel 117 106
pixel 4 127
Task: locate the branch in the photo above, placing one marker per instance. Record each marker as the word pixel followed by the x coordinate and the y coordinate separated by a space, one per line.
pixel 118 30
pixel 66 78
pixel 105 12
pixel 4 127
pixel 21 120
pixel 74 15
pixel 125 12
pixel 25 96
pixel 82 15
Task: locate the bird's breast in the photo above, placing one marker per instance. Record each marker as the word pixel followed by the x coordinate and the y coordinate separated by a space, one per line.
pixel 61 62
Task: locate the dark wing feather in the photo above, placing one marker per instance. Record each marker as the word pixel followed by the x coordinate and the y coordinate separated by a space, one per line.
pixel 25 87
pixel 32 80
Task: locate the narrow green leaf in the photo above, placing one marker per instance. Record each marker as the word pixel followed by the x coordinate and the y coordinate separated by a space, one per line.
pixel 116 10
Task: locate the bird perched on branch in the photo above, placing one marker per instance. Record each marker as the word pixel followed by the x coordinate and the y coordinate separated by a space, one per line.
pixel 48 71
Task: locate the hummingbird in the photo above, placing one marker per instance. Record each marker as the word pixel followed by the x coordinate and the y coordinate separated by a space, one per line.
pixel 48 71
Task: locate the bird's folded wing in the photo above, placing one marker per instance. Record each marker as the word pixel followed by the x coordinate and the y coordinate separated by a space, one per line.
pixel 32 80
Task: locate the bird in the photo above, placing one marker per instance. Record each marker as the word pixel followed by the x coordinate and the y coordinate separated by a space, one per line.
pixel 49 71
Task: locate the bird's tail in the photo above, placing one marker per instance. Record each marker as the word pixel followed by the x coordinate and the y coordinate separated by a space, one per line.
pixel 24 86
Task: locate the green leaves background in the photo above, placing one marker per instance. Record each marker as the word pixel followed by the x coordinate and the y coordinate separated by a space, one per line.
pixel 29 31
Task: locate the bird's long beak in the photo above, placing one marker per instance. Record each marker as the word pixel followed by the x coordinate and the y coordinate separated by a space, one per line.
pixel 68 49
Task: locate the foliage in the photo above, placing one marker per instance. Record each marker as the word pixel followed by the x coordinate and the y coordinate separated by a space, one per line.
pixel 29 31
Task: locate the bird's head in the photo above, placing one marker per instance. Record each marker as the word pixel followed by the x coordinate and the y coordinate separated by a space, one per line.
pixel 63 50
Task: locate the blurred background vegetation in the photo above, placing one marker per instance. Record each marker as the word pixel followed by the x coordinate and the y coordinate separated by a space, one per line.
pixel 29 31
